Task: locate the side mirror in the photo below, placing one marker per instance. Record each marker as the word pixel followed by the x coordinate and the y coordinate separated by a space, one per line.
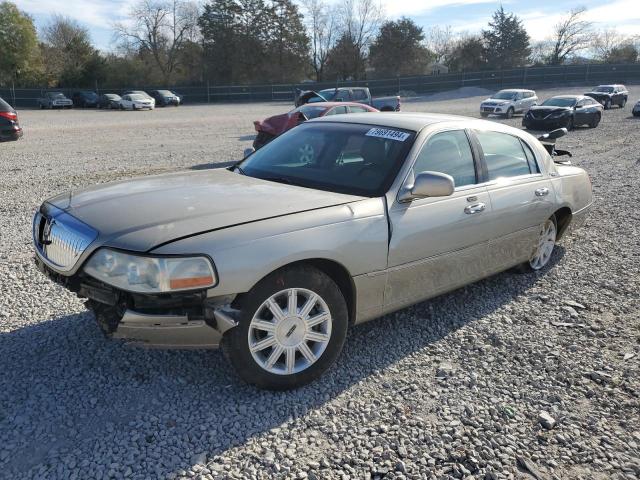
pixel 248 151
pixel 429 184
pixel 552 135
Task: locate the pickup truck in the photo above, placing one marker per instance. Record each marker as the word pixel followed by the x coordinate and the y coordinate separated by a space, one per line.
pixel 349 94
pixel 54 100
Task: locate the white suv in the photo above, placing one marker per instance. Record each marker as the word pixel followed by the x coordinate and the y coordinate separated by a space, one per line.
pixel 508 102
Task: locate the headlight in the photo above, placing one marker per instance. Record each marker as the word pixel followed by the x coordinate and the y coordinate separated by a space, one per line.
pixel 560 113
pixel 150 274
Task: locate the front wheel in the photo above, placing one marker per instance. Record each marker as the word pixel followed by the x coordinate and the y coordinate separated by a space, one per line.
pixel 292 328
pixel 624 102
pixel 596 120
pixel 607 104
pixel 544 246
pixel 510 112
pixel 484 114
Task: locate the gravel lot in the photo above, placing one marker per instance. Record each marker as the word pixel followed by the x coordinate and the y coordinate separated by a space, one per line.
pixel 517 376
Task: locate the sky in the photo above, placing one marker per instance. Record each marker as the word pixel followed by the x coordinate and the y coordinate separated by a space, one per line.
pixel 463 15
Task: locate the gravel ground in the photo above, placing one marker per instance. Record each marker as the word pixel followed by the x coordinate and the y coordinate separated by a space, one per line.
pixel 517 376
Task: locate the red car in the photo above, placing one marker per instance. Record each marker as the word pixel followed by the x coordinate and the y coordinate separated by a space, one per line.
pixel 271 127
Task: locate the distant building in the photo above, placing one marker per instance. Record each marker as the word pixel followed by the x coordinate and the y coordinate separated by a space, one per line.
pixel 437 69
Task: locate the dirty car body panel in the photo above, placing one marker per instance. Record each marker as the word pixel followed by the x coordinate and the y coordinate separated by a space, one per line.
pixel 394 245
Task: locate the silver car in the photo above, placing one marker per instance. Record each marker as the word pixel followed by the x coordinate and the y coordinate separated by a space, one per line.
pixel 336 222
pixel 506 103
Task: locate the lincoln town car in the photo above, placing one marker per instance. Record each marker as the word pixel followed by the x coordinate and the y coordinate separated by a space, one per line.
pixel 338 221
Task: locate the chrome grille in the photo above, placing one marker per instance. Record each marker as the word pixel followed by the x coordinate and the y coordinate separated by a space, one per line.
pixel 60 239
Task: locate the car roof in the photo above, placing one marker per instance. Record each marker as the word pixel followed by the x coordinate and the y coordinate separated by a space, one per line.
pixel 407 120
pixel 611 85
pixel 575 97
pixel 515 90
pixel 334 104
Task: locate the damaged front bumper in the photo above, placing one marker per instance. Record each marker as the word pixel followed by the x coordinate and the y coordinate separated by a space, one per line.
pixel 184 320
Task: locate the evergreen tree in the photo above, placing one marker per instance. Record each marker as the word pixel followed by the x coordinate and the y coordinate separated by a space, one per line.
pixel 398 49
pixel 506 41
pixel 19 53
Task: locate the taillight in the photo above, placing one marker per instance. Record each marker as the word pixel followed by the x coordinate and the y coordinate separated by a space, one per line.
pixel 9 115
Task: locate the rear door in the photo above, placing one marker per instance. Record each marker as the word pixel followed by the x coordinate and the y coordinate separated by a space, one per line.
pixel 438 244
pixel 520 194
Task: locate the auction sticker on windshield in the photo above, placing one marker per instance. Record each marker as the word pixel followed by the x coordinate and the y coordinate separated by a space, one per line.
pixel 389 134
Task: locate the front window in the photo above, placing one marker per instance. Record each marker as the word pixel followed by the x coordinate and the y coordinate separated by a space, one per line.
pixel 310 111
pixel 450 153
pixel 346 158
pixel 56 95
pixel 502 95
pixel 604 89
pixel 559 102
pixel 136 96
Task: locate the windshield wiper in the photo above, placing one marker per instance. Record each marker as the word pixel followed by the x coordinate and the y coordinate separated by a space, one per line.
pixel 284 180
pixel 238 168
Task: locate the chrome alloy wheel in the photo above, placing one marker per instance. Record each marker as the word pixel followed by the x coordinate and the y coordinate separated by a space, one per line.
pixel 290 331
pixel 546 242
pixel 307 153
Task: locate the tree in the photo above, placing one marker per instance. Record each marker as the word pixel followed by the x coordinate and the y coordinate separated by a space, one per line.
pixel 361 20
pixel 571 35
pixel 624 53
pixel 218 27
pixel 467 54
pixel 68 54
pixel 398 49
pixel 345 59
pixel 441 42
pixel 160 28
pixel 19 53
pixel 506 41
pixel 321 24
pixel 610 46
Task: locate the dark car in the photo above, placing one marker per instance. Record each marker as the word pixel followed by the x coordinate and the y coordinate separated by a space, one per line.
pixel 85 99
pixel 564 111
pixel 164 98
pixel 9 127
pixel 271 127
pixel 609 95
pixel 109 100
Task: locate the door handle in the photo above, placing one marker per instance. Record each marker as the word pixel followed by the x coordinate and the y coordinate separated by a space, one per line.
pixel 542 192
pixel 477 208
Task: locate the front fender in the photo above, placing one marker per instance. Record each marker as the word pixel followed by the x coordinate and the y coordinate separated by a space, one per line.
pixel 353 235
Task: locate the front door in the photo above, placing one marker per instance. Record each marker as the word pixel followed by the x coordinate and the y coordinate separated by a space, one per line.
pixel 438 244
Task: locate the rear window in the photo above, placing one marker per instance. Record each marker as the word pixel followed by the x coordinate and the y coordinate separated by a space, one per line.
pixel 311 111
pixel 5 107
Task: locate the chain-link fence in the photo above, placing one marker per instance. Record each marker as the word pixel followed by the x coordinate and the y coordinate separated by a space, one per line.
pixel 529 77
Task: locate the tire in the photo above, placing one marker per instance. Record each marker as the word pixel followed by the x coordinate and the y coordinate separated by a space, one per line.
pixel 543 251
pixel 510 113
pixel 281 364
pixel 624 102
pixel 596 120
pixel 484 114
pixel 121 107
pixel 607 104
pixel 570 124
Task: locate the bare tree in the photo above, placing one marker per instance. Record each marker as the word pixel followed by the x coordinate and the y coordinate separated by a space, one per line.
pixel 441 41
pixel 323 31
pixel 606 42
pixel 361 20
pixel 571 35
pixel 161 28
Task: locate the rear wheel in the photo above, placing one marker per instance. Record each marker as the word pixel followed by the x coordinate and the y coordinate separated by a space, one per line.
pixel 292 329
pixel 543 249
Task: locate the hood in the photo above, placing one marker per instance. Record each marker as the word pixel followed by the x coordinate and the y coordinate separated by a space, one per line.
pixel 304 97
pixel 278 124
pixel 497 100
pixel 549 108
pixel 140 214
pixel 598 94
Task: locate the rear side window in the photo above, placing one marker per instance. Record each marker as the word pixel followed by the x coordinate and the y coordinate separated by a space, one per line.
pixel 531 159
pixel 355 109
pixel 337 111
pixel 503 154
pixel 450 153
pixel 359 95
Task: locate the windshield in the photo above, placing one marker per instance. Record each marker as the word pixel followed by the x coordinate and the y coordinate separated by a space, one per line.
pixel 165 93
pixel 112 96
pixel 603 89
pixel 339 157
pixel 310 111
pixel 90 95
pixel 502 95
pixel 55 94
pixel 559 102
pixel 136 96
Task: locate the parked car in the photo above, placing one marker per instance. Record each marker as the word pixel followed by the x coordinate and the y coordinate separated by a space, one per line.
pixel 636 109
pixel 135 101
pixel 54 100
pixel 609 95
pixel 271 127
pixel 143 93
pixel 564 111
pixel 85 99
pixel 350 94
pixel 9 127
pixel 322 228
pixel 506 103
pixel 109 100
pixel 164 98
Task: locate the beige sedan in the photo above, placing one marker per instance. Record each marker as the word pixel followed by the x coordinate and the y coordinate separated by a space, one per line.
pixel 338 221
